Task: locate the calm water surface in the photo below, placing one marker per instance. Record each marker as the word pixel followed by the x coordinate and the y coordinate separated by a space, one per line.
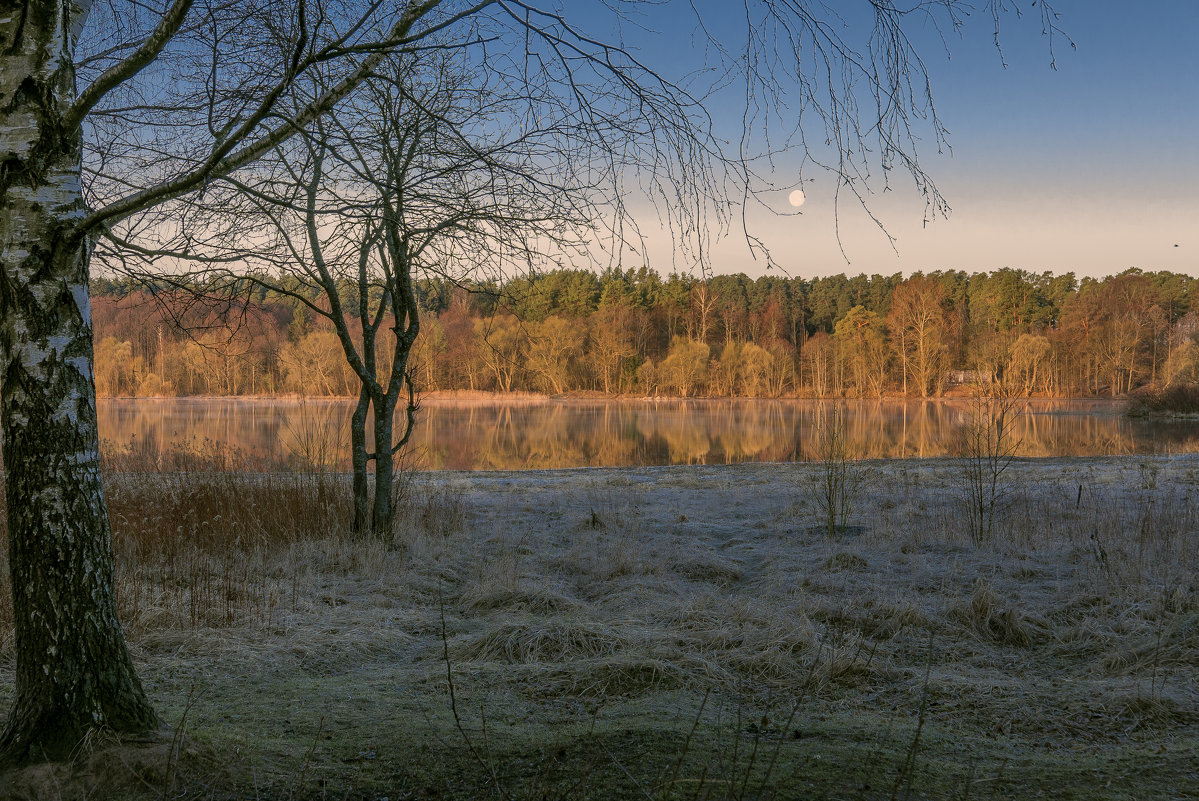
pixel 584 433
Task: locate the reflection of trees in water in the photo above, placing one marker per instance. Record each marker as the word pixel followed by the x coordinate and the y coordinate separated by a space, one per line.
pixel 758 433
pixel 553 434
pixel 686 442
pixel 544 442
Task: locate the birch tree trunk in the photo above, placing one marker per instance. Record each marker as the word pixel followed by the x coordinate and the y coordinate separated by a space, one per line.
pixel 73 671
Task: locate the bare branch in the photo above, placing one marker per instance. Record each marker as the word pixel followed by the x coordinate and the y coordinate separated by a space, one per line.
pixel 114 76
pixel 227 157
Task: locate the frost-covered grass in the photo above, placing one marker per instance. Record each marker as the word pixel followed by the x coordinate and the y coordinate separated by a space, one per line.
pixel 668 633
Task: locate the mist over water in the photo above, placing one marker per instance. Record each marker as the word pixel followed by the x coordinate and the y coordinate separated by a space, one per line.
pixel 553 433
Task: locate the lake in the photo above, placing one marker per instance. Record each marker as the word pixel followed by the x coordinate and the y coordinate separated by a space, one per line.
pixel 558 433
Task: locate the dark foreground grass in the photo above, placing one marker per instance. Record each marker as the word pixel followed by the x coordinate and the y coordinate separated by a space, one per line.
pixel 584 635
pixel 665 745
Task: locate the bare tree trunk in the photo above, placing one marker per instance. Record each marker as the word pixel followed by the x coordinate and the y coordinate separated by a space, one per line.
pixel 73 671
pixel 358 459
pixel 381 516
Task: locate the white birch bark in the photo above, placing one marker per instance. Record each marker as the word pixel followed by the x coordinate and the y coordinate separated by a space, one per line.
pixel 73 671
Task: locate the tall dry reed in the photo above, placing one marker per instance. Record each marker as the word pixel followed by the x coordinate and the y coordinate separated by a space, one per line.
pixel 205 537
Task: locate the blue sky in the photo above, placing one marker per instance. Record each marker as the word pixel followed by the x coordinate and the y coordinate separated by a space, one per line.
pixel 1091 168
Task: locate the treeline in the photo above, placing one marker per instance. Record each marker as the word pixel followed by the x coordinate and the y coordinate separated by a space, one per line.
pixel 636 332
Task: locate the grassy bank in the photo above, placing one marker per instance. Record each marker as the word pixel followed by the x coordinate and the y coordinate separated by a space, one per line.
pixel 657 633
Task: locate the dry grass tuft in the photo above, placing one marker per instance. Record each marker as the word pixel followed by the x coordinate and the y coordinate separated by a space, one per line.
pixel 796 662
pixel 843 560
pixel 1141 711
pixel 540 641
pixel 604 557
pixel 540 600
pixel 709 567
pixel 873 618
pixel 616 676
pixel 1174 644
pixel 997 621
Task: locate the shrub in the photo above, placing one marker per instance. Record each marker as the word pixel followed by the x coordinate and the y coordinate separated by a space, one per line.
pixel 1173 399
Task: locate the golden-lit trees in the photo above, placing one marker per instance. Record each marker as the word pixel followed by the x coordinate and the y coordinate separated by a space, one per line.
pixel 702 314
pixel 429 355
pixel 685 368
pixel 467 347
pixel 917 321
pixel 503 349
pixel 1114 331
pixel 744 368
pixel 821 366
pixel 1182 363
pixel 649 378
pixel 315 365
pixel 724 372
pixel 613 345
pixel 554 347
pixel 780 376
pixel 862 345
pixel 115 368
pixel 223 361
pixel 1124 331
pixel 122 374
pixel 756 366
pixel 1027 362
pixel 1082 316
pixel 463 360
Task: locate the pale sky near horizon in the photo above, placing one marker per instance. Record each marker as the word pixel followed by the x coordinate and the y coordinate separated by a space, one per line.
pixel 1091 168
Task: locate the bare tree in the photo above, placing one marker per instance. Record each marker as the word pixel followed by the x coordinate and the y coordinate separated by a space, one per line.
pixel 178 96
pixel 434 169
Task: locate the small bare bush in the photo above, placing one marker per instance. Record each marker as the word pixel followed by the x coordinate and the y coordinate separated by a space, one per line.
pixel 835 487
pixel 987 446
pixel 490 596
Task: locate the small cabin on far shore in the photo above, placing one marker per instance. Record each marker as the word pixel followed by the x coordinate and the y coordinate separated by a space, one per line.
pixel 969 377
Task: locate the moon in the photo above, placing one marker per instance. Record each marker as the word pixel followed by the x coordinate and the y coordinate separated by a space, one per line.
pixel 797 198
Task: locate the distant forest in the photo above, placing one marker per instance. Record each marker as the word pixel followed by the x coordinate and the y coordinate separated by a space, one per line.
pixel 635 332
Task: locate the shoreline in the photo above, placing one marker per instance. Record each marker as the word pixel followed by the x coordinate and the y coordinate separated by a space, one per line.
pixel 498 398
